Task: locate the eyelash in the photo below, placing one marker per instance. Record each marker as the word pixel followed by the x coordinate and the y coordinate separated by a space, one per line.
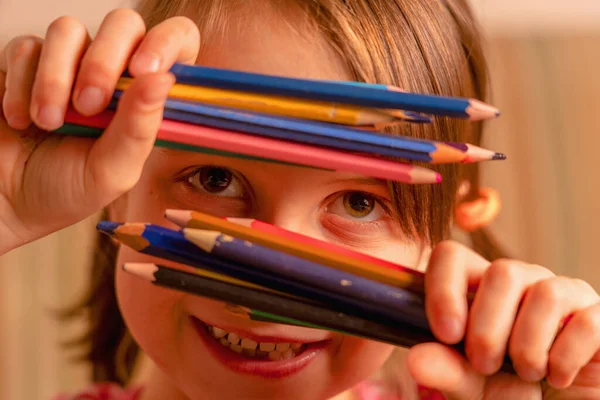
pixel 382 202
pixel 226 206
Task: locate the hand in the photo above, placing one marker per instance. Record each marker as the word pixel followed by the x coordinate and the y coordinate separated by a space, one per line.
pixel 519 308
pixel 49 181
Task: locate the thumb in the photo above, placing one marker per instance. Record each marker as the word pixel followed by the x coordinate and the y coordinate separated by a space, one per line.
pixel 439 367
pixel 116 160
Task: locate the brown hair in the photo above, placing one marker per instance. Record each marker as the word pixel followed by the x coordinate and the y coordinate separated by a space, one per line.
pixel 427 46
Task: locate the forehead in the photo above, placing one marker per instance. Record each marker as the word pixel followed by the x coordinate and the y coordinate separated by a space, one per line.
pixel 269 41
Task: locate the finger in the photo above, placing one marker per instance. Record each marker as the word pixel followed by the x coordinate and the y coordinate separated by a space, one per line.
pixel 451 268
pixel 494 309
pixel 105 60
pixel 65 42
pixel 436 366
pixel 575 346
pixel 19 60
pixel 116 160
pixel 174 40
pixel 544 306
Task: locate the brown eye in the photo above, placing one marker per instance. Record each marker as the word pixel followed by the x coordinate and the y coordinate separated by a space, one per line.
pixel 217 180
pixel 359 204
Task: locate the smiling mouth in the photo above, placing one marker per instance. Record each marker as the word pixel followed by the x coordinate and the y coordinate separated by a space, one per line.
pixel 255 350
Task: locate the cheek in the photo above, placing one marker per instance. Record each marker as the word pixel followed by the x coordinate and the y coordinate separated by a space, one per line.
pixel 359 359
pixel 152 314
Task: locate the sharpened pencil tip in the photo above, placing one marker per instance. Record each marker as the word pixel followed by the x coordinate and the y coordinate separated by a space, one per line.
pixel 179 217
pixel 438 178
pixel 107 226
pixel 499 156
pixel 142 270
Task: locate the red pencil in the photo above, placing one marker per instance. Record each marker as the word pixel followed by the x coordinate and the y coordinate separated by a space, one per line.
pixel 416 286
pixel 275 149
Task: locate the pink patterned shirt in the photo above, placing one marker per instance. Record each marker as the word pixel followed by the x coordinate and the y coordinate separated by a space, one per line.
pixel 367 390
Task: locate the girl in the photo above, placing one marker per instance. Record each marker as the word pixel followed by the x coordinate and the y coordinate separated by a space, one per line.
pixel 49 182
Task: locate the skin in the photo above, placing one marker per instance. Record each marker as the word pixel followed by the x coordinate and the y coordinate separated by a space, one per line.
pixel 48 182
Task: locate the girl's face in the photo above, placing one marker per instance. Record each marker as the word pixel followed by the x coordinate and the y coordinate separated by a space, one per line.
pixel 346 209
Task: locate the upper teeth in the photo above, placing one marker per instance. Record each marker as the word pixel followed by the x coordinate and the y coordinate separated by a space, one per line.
pixel 274 351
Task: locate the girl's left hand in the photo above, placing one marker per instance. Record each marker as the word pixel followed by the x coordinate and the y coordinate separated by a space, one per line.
pixel 548 324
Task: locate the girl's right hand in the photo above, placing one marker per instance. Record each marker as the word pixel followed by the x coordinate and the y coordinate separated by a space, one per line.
pixel 49 181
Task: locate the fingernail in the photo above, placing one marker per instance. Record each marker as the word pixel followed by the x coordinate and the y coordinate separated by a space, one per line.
pixel 50 117
pixel 145 63
pixel 90 99
pixel 18 121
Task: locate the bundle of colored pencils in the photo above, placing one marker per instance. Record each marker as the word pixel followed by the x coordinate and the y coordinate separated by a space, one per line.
pixel 272 274
pixel 279 276
pixel 331 125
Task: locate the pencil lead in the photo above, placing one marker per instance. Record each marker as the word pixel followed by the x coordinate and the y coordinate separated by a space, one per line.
pixel 499 156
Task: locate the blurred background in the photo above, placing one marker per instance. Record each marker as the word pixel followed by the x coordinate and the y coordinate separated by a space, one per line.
pixel 544 62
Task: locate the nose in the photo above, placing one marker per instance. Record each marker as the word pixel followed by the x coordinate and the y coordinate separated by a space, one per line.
pixel 289 215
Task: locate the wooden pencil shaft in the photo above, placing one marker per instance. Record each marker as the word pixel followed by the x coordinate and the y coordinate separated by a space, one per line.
pixel 173 246
pixel 399 335
pixel 358 267
pixel 366 295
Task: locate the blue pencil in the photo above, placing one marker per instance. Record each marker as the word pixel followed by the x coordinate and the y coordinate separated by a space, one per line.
pixel 310 132
pixel 385 297
pixel 328 91
pixel 173 245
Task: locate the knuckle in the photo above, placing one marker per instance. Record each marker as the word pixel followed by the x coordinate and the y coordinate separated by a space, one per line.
pixel 98 69
pixel 583 287
pixel 551 291
pixel 13 106
pixel 22 47
pixel 50 87
pixel 541 271
pixel 561 364
pixel 66 26
pixel 484 345
pixel 505 271
pixel 588 321
pixel 528 360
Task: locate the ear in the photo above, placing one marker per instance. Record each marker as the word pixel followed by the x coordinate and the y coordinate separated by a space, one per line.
pixel 472 215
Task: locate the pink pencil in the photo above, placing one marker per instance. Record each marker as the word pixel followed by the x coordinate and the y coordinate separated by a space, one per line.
pixel 280 150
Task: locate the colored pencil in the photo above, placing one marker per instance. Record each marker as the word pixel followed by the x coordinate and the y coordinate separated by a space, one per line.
pixel 418 280
pixel 327 91
pixel 417 285
pixel 275 149
pixel 269 307
pixel 276 105
pixel 197 220
pixel 90 132
pixel 475 153
pixel 176 246
pixel 369 296
pixel 312 133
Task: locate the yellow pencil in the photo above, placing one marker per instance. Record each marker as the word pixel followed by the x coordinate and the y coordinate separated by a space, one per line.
pixel 197 220
pixel 278 105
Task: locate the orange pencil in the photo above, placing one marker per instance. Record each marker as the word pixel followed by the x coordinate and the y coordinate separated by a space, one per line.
pixel 197 220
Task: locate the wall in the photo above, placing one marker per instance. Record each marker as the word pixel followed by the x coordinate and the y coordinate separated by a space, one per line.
pixel 544 56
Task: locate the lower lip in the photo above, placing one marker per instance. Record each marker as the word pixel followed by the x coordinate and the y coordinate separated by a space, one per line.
pixel 265 369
